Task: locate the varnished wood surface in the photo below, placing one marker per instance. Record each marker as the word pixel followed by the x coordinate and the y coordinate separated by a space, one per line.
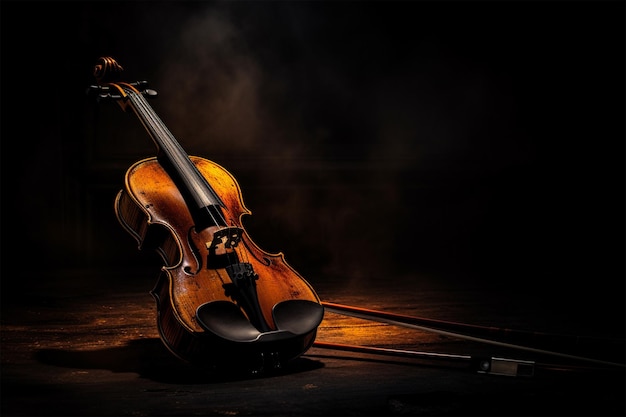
pixel 72 348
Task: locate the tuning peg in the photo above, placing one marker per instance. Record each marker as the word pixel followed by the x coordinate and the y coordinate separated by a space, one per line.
pixel 150 92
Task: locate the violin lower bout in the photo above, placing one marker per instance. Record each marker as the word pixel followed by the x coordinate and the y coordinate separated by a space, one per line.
pixel 217 353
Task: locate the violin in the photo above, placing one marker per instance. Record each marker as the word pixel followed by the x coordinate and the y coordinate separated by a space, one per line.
pixel 222 302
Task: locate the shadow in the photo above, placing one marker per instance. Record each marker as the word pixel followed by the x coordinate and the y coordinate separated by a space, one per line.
pixel 151 360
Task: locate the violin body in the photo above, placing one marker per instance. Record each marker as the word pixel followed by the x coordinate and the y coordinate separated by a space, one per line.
pixel 222 302
pixel 152 209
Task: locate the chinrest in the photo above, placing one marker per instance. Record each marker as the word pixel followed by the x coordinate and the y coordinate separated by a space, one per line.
pixel 293 318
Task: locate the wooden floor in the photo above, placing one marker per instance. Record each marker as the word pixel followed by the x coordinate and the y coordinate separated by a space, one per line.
pixel 70 347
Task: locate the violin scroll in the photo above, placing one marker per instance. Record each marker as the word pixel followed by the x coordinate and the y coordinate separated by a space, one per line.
pixel 107 73
pixel 107 70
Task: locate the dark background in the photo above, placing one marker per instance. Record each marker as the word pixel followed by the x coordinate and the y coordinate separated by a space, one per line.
pixel 477 143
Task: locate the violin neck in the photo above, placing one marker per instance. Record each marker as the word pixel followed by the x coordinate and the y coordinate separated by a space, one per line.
pixel 173 156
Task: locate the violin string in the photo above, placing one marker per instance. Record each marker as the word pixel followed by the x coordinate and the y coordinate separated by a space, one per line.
pixel 174 150
pixel 184 160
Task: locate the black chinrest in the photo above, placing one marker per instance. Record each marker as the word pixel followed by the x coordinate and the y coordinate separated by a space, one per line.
pixel 297 316
pixel 292 317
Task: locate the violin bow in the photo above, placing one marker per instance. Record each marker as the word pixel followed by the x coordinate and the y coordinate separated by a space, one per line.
pixel 491 365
